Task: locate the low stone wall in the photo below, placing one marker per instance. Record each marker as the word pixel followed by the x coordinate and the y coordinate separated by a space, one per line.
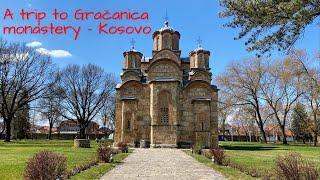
pixel 63 136
pixel 81 143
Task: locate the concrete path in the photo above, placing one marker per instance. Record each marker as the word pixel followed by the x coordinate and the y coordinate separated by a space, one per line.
pixel 164 164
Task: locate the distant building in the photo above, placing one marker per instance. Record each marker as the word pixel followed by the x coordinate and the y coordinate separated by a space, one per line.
pixel 72 127
pixel 46 129
pixel 246 133
pixel 274 133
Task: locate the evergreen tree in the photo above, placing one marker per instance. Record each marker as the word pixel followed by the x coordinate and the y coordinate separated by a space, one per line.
pixel 301 123
pixel 20 124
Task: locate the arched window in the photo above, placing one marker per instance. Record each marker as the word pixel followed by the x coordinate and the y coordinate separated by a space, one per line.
pixel 201 62
pixel 166 41
pixel 175 42
pixel 164 110
pixel 133 63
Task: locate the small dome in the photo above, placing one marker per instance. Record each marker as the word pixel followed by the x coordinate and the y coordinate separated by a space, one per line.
pixel 132 51
pixel 199 50
pixel 166 28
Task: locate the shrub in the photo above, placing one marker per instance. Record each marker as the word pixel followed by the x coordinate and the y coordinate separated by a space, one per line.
pixel 197 148
pixel 218 155
pixel 294 167
pixel 46 165
pixel 123 147
pixel 206 153
pixel 104 153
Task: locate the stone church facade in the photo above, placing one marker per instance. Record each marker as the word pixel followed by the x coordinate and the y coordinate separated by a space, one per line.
pixel 166 100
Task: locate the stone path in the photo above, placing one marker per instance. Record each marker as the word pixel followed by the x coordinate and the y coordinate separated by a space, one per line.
pixel 164 164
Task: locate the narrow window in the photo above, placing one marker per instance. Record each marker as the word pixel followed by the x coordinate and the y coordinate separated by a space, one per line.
pixel 164 115
pixel 128 118
pixel 157 43
pixel 128 125
pixel 133 63
pixel 164 104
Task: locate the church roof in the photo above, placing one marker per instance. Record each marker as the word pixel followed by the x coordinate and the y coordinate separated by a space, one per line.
pixel 146 59
pixel 185 59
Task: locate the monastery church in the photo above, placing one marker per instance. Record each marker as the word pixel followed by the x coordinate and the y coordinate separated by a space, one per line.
pixel 166 100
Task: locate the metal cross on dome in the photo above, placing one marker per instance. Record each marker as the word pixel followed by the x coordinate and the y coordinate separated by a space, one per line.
pixel 132 42
pixel 166 19
pixel 199 42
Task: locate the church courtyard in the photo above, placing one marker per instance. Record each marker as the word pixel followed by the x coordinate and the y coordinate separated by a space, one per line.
pixel 154 163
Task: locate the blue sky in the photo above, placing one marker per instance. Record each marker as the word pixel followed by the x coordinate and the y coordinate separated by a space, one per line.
pixel 191 18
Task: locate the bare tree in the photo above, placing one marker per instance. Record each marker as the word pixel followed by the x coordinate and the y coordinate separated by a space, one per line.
pixel 108 115
pixel 225 110
pixel 246 119
pixel 50 104
pixel 23 75
pixel 281 89
pixel 2 127
pixel 311 87
pixel 241 81
pixel 85 91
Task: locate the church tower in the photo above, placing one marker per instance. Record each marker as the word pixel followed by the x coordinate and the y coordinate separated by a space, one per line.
pixel 199 64
pixel 132 64
pixel 166 38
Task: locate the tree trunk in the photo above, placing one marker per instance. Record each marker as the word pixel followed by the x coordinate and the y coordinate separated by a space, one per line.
pixel 284 140
pixel 8 130
pixel 82 132
pixel 260 122
pixel 263 134
pixel 50 132
pixel 2 131
pixel 315 141
pixel 224 129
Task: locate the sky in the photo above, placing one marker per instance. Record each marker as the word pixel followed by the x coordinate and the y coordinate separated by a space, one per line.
pixel 191 18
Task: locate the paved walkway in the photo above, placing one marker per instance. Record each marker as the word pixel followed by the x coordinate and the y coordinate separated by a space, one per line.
pixel 164 164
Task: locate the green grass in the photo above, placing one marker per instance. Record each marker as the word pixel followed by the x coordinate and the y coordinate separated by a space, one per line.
pixel 229 172
pixel 14 155
pixel 97 171
pixel 260 157
pixel 257 157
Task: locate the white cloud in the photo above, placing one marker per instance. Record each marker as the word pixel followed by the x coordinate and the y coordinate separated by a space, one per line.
pixel 54 53
pixel 34 44
pixel 29 5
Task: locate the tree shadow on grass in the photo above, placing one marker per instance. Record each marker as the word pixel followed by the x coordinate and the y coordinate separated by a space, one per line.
pixel 250 148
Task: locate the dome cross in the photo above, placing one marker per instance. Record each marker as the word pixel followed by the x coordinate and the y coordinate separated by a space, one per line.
pixel 132 42
pixel 199 42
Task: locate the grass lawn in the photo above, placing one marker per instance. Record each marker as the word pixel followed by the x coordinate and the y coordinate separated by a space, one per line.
pixel 257 157
pixel 230 173
pixel 260 157
pixel 14 155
